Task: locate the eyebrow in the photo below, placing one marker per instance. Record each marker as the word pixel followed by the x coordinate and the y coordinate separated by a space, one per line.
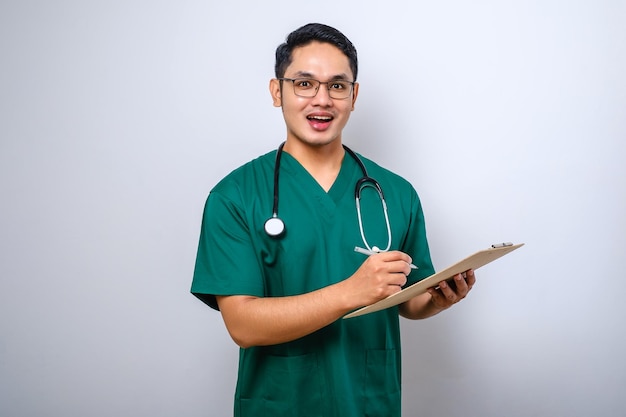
pixel 304 74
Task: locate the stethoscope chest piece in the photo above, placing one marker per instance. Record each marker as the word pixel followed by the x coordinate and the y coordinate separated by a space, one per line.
pixel 274 227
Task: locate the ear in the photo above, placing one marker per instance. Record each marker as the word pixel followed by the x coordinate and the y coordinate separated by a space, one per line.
pixel 275 92
pixel 355 93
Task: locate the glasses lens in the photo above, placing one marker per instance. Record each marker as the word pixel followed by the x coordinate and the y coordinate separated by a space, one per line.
pixel 305 87
pixel 339 89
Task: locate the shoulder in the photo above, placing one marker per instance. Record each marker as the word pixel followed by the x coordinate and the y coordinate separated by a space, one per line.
pixel 248 175
pixel 239 189
pixel 396 188
pixel 384 174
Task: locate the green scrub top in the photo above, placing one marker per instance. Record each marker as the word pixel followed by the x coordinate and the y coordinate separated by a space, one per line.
pixel 351 367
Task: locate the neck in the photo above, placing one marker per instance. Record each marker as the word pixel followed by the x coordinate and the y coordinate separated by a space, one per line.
pixel 322 162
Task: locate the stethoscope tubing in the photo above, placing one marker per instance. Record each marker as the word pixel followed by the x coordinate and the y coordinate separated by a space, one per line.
pixel 275 227
pixel 364 182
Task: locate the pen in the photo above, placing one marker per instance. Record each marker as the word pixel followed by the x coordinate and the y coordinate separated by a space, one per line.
pixel 369 252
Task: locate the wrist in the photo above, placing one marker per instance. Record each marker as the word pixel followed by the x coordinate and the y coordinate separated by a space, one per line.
pixel 433 305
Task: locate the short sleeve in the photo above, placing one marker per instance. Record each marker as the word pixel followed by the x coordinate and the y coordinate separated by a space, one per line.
pixel 226 263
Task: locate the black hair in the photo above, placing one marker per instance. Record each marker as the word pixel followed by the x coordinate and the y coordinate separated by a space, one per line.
pixel 310 33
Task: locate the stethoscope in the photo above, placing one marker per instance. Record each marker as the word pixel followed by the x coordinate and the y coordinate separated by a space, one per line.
pixel 275 227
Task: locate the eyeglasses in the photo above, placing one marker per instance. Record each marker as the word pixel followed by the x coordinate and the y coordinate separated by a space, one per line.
pixel 308 87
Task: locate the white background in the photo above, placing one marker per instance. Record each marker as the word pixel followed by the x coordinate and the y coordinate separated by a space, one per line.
pixel 117 117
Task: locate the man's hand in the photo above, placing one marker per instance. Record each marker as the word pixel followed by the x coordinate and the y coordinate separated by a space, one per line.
pixel 381 275
pixel 452 291
pixel 437 299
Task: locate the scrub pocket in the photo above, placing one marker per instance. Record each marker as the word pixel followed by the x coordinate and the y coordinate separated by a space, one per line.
pixel 272 394
pixel 382 384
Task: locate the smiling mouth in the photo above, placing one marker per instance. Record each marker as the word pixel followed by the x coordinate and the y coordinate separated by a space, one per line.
pixel 320 119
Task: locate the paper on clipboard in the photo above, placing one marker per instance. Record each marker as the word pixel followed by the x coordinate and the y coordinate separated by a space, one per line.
pixel 475 261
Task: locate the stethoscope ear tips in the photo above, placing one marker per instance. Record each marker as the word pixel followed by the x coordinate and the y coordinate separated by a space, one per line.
pixel 274 227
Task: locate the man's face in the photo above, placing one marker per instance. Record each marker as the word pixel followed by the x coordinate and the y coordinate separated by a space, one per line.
pixel 318 120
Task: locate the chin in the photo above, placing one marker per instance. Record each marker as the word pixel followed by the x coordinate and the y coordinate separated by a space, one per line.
pixel 314 138
pixel 321 140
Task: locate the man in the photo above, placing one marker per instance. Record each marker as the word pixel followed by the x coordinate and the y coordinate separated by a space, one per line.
pixel 283 293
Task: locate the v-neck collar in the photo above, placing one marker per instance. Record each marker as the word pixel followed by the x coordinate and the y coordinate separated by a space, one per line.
pixel 342 184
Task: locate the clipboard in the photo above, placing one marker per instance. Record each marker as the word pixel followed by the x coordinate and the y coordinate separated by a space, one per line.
pixel 475 261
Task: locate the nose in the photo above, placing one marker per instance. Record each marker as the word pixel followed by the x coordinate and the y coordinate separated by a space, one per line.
pixel 322 98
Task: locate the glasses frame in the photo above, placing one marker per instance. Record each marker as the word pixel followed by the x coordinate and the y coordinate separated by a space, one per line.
pixel 317 89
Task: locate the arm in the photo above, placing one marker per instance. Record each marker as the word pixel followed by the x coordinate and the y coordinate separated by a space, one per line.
pixel 256 321
pixel 436 300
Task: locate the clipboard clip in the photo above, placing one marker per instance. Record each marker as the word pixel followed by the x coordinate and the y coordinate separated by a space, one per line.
pixel 502 245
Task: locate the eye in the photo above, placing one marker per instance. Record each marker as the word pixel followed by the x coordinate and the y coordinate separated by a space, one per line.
pixel 303 84
pixel 339 86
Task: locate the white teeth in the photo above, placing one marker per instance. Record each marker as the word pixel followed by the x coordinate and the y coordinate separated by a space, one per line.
pixel 322 118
